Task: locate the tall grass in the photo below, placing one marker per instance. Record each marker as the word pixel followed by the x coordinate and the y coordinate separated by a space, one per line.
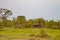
pixel 11 33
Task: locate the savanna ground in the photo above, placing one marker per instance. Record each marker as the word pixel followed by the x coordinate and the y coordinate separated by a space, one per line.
pixel 29 34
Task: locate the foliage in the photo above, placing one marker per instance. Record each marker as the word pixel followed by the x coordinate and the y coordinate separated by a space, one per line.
pixel 21 19
pixel 21 22
pixel 4 13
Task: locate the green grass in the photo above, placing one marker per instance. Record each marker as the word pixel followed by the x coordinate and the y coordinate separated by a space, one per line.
pixel 17 34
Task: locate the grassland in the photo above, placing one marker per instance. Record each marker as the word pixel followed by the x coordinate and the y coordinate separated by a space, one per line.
pixel 24 34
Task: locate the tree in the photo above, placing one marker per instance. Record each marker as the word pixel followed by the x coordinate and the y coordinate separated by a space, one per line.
pixel 4 13
pixel 53 24
pixel 40 21
pixel 29 23
pixel 46 23
pixel 20 21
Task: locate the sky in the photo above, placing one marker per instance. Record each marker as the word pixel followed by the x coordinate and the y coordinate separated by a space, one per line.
pixel 47 9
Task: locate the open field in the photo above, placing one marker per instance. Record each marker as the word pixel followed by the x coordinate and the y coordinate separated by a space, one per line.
pixel 29 34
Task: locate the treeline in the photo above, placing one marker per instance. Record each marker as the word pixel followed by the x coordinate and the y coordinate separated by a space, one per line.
pixel 21 22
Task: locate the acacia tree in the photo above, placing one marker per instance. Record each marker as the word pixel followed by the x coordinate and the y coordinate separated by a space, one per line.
pixel 4 13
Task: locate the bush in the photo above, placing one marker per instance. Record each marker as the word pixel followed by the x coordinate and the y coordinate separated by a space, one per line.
pixel 43 34
pixel 27 25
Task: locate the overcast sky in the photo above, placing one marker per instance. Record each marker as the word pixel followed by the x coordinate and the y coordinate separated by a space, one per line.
pixel 47 9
